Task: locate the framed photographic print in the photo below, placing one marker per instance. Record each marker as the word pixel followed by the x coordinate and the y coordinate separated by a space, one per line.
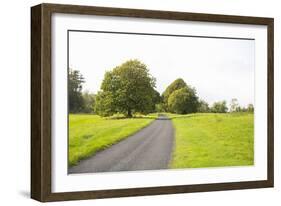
pixel 129 102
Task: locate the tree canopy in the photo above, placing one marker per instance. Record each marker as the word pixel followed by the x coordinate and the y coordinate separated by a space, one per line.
pixel 180 98
pixel 203 107
pixel 183 101
pixel 88 102
pixel 219 107
pixel 126 89
pixel 175 85
pixel 75 99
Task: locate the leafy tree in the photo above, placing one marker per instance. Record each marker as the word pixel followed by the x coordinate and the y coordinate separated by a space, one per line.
pixel 104 105
pixel 175 85
pixel 159 107
pixel 88 102
pixel 75 99
pixel 126 89
pixel 157 100
pixel 234 106
pixel 183 101
pixel 203 106
pixel 219 107
pixel 250 108
pixel 240 109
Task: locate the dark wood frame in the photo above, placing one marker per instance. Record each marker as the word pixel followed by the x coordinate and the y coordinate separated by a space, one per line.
pixel 41 101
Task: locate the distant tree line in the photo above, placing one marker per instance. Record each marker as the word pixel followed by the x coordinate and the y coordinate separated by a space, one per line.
pixel 129 88
pixel 235 107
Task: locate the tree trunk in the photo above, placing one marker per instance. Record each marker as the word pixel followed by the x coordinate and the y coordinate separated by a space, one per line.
pixel 129 113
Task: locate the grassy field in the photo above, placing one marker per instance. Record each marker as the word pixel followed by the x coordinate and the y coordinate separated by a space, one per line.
pixel 91 133
pixel 213 140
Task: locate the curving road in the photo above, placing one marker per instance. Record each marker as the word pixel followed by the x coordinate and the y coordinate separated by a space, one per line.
pixel 148 149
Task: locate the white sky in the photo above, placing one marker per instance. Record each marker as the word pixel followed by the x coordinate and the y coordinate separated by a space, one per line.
pixel 219 69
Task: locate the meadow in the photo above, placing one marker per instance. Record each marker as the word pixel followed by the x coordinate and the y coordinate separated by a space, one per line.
pixel 213 140
pixel 90 133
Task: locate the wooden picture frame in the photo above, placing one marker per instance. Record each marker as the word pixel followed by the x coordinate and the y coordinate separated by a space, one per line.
pixel 41 116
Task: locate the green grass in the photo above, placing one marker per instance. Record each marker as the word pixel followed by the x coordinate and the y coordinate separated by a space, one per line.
pixel 91 133
pixel 213 140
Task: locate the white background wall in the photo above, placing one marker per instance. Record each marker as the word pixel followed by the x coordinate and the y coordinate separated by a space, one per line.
pixel 15 102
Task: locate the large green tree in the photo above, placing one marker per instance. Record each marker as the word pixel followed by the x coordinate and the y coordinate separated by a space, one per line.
pixel 179 98
pixel 175 85
pixel 183 101
pixel 126 89
pixel 75 98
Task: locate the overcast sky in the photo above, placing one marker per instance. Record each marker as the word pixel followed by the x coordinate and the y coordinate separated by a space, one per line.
pixel 219 69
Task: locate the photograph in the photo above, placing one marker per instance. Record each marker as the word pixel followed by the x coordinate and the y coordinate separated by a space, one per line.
pixel 132 102
pixel 147 101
